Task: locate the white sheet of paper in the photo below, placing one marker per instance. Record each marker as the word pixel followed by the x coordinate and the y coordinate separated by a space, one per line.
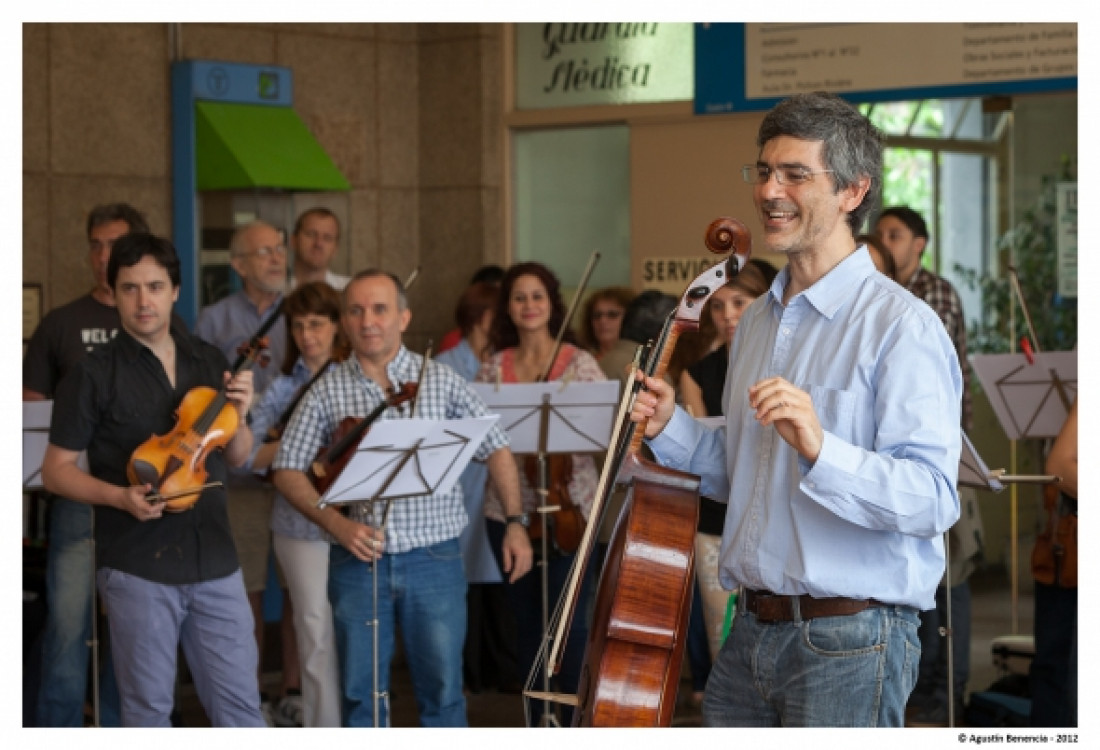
pixel 1023 395
pixel 581 414
pixel 36 436
pixel 972 469
pixel 434 452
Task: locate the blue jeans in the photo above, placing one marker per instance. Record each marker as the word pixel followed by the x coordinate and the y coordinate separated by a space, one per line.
pixel 211 621
pixel 850 671
pixel 423 590
pixel 65 651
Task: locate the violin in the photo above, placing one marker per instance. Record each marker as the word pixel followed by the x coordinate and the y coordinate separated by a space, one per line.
pixel 554 471
pixel 567 524
pixel 332 458
pixel 175 463
pixel 635 647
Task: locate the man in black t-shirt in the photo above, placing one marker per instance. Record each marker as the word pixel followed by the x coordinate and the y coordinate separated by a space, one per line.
pixel 62 339
pixel 169 579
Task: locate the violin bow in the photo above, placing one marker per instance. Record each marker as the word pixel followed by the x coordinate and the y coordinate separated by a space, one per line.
pixel 592 260
pixel 423 374
pixel 1059 386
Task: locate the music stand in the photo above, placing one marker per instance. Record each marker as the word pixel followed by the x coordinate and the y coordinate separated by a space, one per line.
pixel 1031 394
pixel 544 418
pixel 1025 396
pixel 36 437
pixel 402 458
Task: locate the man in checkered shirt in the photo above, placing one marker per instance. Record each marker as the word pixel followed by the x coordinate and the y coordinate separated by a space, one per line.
pixel 421 583
pixel 905 235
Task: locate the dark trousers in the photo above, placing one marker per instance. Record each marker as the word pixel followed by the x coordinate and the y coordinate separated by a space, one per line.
pixel 489 655
pixel 698 647
pixel 1054 669
pixel 932 680
pixel 525 596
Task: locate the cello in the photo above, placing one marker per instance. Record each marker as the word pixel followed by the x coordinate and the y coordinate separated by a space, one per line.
pixel 635 647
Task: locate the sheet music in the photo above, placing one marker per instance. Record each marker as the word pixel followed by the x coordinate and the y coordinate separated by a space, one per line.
pixel 972 469
pixel 1024 396
pixel 428 456
pixel 36 436
pixel 581 414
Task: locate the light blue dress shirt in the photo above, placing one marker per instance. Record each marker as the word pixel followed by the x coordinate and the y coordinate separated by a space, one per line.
pixel 866 519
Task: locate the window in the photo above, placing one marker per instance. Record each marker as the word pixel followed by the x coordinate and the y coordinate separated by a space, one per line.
pixel 943 159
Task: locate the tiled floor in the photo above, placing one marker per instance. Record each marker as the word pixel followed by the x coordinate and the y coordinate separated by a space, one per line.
pixel 992 616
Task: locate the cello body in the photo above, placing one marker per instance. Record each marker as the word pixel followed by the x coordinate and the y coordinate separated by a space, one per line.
pixel 643 602
pixel 635 645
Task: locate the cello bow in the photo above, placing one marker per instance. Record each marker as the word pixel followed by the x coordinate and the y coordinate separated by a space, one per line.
pixel 636 640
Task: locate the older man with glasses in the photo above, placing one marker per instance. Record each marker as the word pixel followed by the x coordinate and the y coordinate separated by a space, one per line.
pixel 258 256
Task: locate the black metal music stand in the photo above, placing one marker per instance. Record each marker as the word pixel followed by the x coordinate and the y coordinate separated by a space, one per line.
pixel 973 472
pixel 541 419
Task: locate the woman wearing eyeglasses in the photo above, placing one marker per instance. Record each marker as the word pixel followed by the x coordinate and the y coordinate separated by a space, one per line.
pixel 312 313
pixel 603 318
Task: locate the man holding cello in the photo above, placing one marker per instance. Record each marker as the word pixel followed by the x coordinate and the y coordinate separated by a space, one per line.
pixel 416 557
pixel 839 452
pixel 169 579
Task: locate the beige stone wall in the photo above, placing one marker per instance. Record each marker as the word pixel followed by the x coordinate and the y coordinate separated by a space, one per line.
pixel 409 113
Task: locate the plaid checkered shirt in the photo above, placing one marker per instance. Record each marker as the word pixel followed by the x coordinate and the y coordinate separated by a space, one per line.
pixel 345 391
pixel 942 297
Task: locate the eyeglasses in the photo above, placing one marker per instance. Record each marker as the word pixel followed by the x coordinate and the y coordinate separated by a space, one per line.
pixel 759 174
pixel 266 252
pixel 609 314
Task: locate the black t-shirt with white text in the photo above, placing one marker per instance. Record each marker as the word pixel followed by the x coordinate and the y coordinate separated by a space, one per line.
pixel 63 338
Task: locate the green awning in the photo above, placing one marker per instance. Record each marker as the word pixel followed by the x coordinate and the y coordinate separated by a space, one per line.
pixel 254 146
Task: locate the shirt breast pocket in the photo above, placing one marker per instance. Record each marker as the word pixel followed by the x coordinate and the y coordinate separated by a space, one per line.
pixel 129 421
pixel 835 410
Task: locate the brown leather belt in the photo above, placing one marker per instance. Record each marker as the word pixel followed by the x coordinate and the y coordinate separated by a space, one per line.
pixel 769 607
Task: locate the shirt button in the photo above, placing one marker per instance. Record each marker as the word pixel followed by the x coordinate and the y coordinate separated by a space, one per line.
pixel 786 331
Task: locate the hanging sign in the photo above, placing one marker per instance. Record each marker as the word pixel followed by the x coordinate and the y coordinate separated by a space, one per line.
pixel 581 64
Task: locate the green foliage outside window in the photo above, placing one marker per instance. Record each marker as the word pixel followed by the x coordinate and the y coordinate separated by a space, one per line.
pixel 907 172
pixel 1031 247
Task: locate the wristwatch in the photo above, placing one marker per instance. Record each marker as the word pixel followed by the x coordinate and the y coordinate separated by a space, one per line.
pixel 522 519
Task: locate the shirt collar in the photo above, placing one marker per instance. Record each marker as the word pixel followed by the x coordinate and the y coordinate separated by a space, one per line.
pixel 398 369
pixel 915 277
pixel 132 348
pixel 266 313
pixel 299 371
pixel 832 290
